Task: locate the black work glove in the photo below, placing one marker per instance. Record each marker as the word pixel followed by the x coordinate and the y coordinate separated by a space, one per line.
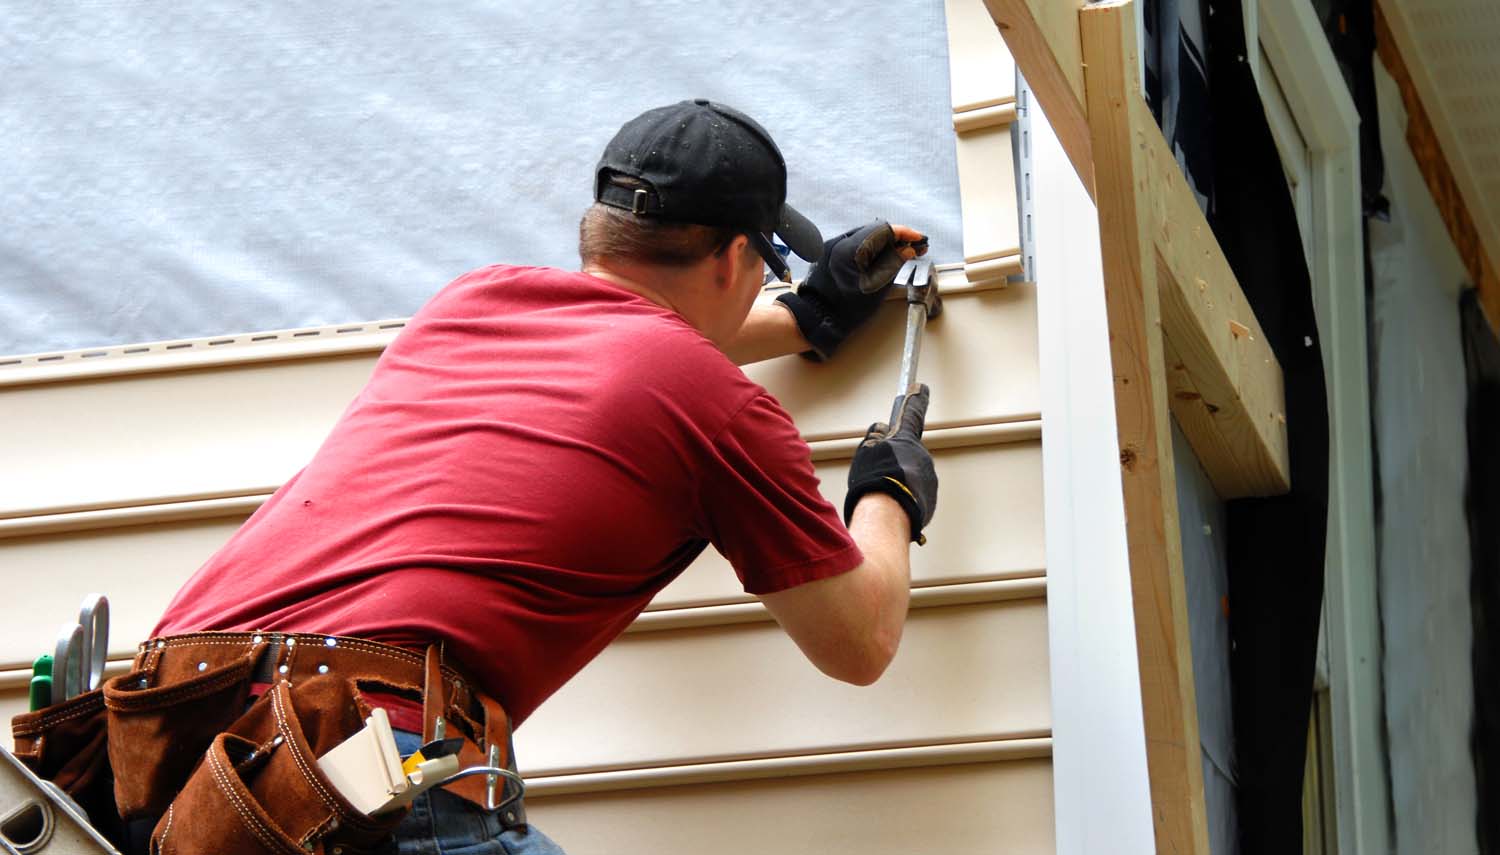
pixel 892 460
pixel 845 287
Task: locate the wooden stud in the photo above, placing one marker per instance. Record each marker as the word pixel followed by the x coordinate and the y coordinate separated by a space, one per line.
pixel 1123 176
pixel 1236 377
pixel 1226 388
pixel 1043 39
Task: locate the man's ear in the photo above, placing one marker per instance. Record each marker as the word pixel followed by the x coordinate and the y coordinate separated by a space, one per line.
pixel 730 264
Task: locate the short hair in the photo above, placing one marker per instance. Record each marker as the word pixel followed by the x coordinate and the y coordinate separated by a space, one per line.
pixel 608 232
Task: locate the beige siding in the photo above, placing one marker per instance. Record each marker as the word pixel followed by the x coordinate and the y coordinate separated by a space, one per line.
pixel 242 429
pixel 993 808
pixel 964 673
pixel 982 534
pixel 705 681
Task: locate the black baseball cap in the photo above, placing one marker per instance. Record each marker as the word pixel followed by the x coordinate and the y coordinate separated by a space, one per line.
pixel 706 163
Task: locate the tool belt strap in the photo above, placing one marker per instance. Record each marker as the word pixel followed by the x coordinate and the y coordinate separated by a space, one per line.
pixel 365 670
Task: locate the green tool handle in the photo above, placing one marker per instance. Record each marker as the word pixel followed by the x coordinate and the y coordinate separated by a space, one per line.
pixel 41 682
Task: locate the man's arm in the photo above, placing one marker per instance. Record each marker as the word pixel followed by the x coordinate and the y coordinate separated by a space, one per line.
pixel 849 625
pixel 768 332
pixel 836 284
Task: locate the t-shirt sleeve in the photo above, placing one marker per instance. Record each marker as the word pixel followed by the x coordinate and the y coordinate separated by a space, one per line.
pixel 761 506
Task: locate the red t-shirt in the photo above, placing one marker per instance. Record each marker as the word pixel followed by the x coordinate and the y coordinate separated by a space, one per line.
pixel 535 456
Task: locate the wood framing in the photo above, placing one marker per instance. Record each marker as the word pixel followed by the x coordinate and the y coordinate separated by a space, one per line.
pixel 1211 366
pixel 1427 148
pixel 1226 385
pixel 1121 137
pixel 1043 39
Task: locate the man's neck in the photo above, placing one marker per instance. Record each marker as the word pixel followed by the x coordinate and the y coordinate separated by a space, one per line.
pixel 689 291
pixel 636 282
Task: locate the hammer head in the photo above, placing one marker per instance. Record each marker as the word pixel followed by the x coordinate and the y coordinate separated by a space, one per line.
pixel 921 286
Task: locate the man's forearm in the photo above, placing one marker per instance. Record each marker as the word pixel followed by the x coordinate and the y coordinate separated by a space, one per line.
pixel 883 532
pixel 769 331
pixel 849 625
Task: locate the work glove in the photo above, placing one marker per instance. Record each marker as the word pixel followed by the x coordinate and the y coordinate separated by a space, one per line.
pixel 846 286
pixel 892 460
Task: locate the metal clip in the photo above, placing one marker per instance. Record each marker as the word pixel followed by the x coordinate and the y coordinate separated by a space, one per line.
pixel 638 202
pixel 491 772
pixel 492 780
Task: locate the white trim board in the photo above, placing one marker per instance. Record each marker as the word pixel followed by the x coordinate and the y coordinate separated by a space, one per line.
pixel 1101 790
pixel 1315 92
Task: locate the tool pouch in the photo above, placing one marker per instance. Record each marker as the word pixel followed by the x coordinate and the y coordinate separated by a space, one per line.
pixel 65 744
pixel 159 726
pixel 259 789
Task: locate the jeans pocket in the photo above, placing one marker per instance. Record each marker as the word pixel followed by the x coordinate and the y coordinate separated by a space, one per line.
pixel 157 734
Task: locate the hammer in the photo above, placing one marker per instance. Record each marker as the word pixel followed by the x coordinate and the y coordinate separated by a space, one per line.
pixel 922 304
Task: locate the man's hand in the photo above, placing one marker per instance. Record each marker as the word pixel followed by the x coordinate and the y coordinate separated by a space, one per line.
pixel 845 288
pixel 892 460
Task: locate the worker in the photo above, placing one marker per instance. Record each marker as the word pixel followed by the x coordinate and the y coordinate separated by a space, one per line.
pixel 534 457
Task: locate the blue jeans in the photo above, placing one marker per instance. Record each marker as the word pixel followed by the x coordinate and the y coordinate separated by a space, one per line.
pixel 441 823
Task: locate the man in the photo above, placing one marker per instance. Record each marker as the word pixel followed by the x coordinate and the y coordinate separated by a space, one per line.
pixel 535 456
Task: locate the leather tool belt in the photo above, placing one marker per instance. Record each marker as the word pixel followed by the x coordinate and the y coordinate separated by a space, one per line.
pixel 225 771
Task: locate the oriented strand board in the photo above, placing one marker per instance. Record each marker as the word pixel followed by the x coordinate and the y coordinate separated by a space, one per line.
pixel 963 673
pixel 997 808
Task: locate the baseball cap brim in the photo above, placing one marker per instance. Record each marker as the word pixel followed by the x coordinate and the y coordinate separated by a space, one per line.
pixel 799 234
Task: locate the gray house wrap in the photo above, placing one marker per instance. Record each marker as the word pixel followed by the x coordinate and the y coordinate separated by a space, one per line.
pixel 173 172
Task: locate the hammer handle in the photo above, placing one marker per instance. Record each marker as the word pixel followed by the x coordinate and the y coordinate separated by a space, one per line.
pixel 911 351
